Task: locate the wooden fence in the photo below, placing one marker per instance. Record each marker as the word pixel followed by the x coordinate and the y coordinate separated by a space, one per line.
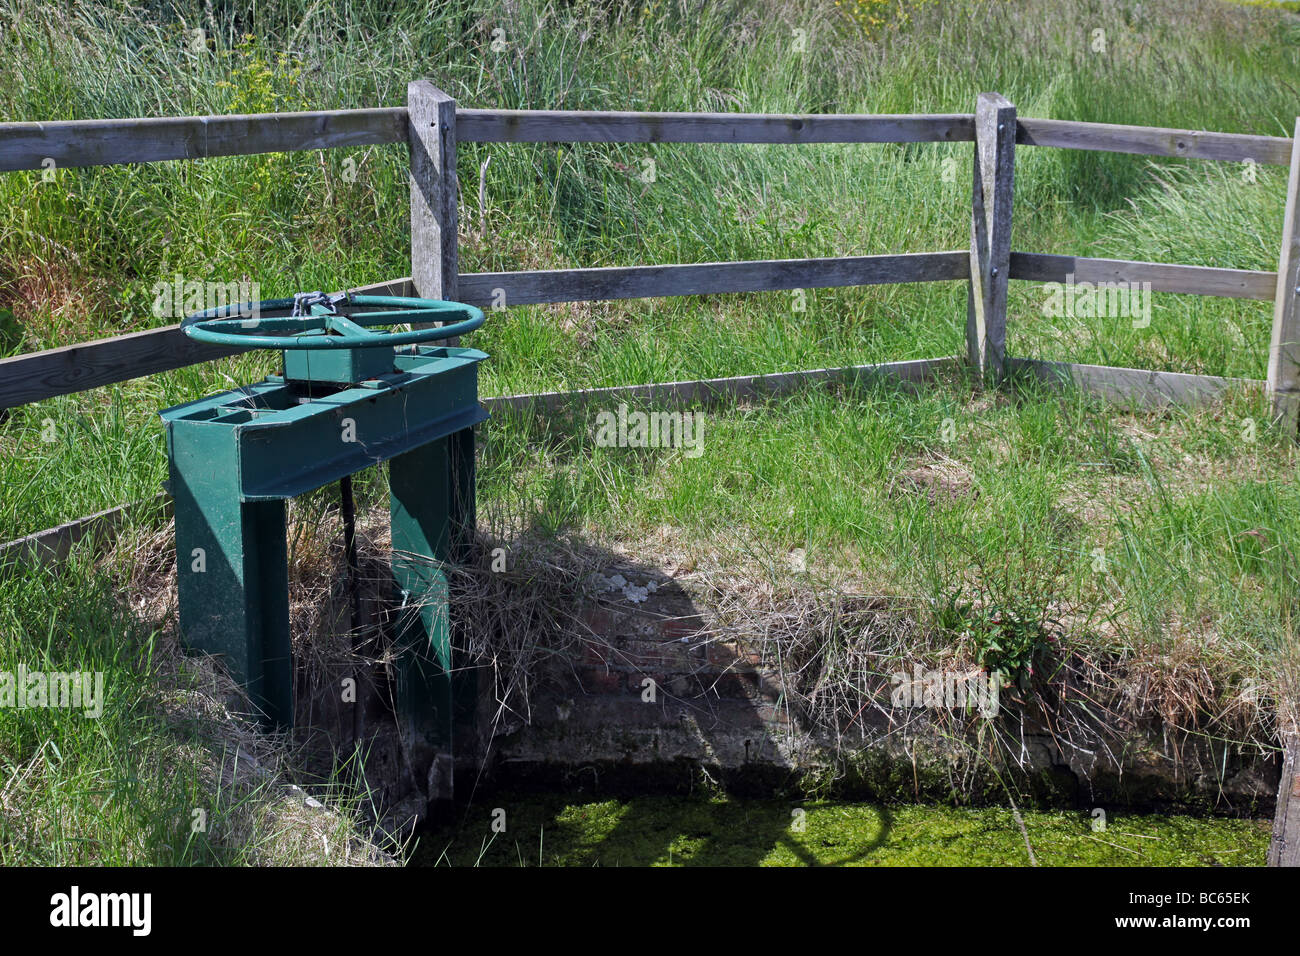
pixel 432 125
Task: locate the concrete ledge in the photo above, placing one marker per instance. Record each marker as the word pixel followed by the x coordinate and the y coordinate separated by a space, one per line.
pixel 659 695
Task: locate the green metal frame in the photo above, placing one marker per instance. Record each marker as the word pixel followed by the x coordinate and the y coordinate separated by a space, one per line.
pixel 237 456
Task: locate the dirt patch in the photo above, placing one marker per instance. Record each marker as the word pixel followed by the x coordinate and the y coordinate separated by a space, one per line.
pixel 942 481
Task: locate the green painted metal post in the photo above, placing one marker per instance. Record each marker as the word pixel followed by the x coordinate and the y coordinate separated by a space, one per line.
pixel 232 577
pixel 425 510
pixel 464 496
pixel 464 523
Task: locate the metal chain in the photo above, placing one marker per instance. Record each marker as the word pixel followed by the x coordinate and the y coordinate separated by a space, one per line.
pixel 303 301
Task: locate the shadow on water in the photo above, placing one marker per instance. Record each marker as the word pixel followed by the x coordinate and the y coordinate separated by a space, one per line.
pixel 546 829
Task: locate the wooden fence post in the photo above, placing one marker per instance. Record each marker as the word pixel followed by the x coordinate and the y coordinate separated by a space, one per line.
pixel 990 247
pixel 434 211
pixel 1284 387
pixel 1284 349
pixel 1284 848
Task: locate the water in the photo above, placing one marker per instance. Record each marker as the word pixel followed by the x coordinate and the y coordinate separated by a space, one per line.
pixel 517 829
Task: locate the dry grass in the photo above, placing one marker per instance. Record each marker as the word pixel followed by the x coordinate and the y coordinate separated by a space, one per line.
pixel 271 819
pixel 51 302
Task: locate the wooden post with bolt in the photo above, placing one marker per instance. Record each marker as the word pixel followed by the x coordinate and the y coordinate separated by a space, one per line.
pixel 435 264
pixel 990 248
pixel 1284 348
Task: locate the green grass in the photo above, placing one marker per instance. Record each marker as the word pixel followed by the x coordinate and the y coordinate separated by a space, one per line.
pixel 146 782
pixel 1195 521
pixel 680 831
pixel 1146 532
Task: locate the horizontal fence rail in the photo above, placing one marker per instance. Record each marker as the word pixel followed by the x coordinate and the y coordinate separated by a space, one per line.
pixel 709 278
pixel 112 142
pixel 1141 387
pixel 541 126
pixel 74 368
pixel 1194 280
pixel 37 376
pixel 56 544
pixel 79 143
pixel 75 143
pixel 1154 141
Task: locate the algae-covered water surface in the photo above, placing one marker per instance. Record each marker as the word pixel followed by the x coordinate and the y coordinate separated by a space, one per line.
pixel 545 830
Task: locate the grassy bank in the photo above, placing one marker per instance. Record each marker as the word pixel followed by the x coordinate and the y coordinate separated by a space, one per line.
pixel 162 775
pixel 1157 537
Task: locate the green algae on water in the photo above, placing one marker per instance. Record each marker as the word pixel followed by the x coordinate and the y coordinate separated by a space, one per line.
pixel 548 830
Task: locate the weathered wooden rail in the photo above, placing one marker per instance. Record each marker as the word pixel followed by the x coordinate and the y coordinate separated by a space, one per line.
pixel 432 125
pixel 74 143
pixel 440 125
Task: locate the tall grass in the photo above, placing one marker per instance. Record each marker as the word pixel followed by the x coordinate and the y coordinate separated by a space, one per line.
pixel 80 255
